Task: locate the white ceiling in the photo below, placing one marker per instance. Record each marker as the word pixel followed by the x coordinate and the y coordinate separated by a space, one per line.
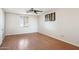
pixel 23 10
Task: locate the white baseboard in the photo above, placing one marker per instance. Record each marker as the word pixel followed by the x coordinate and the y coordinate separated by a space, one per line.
pixel 66 41
pixel 60 39
pixel 20 33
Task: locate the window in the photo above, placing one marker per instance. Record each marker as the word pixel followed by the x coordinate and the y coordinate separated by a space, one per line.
pixel 25 21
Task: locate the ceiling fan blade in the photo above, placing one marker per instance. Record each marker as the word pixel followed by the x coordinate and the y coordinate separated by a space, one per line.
pixel 38 11
pixel 30 10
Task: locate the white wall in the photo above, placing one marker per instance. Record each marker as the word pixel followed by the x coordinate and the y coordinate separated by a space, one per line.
pixel 14 24
pixel 65 28
pixel 2 20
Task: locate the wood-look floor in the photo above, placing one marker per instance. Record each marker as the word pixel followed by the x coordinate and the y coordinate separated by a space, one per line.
pixel 34 41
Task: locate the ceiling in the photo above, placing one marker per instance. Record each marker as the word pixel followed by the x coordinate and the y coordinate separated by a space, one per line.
pixel 23 10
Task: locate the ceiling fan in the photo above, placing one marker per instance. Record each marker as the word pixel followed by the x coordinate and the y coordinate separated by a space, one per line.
pixel 32 10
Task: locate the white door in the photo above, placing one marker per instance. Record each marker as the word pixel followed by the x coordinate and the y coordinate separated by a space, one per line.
pixel 1 25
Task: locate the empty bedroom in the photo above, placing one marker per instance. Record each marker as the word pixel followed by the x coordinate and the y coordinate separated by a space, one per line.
pixel 39 29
